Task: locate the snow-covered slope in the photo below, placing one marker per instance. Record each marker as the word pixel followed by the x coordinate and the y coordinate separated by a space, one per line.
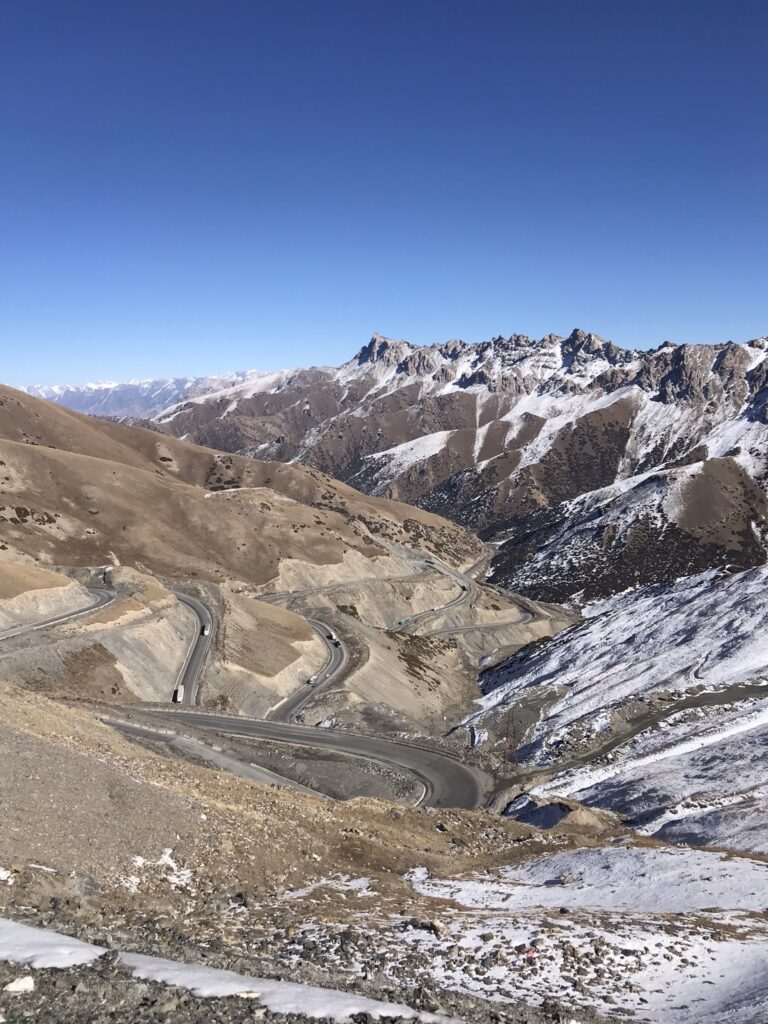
pixel 656 707
pixel 670 936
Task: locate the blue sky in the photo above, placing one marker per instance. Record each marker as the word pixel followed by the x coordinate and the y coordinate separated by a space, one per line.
pixel 192 186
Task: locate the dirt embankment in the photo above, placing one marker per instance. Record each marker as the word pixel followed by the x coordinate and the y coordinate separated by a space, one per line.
pixel 29 594
pixel 131 649
pixel 263 653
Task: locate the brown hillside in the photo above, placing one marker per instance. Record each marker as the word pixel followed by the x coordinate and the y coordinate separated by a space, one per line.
pixel 79 491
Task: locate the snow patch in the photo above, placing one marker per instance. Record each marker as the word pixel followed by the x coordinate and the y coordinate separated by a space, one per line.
pixel 637 879
pixel 37 947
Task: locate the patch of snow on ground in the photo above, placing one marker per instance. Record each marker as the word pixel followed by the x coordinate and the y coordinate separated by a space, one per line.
pixel 177 877
pixel 37 947
pixel 637 879
pixel 559 411
pixel 395 461
pixel 480 435
pixel 164 868
pixel 277 996
pixel 639 966
pixel 341 883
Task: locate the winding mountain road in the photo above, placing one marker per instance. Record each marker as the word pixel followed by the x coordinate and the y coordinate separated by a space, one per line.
pixel 338 656
pixel 328 588
pixel 467 587
pixel 102 596
pixel 486 627
pixel 292 707
pixel 189 676
pixel 447 780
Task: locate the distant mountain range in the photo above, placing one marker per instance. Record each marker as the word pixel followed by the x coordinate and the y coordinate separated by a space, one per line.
pixel 132 398
pixel 592 467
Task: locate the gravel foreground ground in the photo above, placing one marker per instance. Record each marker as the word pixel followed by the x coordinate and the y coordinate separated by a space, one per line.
pixel 106 992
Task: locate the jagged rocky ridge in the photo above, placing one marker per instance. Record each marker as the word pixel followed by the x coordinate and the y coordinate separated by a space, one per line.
pixel 593 467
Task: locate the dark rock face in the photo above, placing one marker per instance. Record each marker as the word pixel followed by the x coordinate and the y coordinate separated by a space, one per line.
pixel 541 445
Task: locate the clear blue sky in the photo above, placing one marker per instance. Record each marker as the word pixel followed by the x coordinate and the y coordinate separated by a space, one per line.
pixel 191 186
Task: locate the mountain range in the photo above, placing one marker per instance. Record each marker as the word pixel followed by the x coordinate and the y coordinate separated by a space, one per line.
pixel 592 468
pixel 328 750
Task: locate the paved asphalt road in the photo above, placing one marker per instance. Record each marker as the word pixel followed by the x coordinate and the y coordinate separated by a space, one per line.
pixel 203 752
pixel 448 782
pixel 467 588
pixel 189 677
pixel 485 627
pixel 328 588
pixel 338 656
pixel 101 595
pixel 291 707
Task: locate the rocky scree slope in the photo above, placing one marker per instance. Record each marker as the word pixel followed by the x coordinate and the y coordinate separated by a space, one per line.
pixel 594 467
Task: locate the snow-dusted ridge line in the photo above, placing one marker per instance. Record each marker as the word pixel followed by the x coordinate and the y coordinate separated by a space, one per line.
pixel 542 360
pixel 570 449
pixel 40 948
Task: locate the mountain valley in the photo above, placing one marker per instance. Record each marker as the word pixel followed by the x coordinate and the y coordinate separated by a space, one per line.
pixel 432 687
pixel 577 458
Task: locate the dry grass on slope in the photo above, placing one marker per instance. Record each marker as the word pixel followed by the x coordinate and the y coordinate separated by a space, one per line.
pixel 82 491
pixel 19 579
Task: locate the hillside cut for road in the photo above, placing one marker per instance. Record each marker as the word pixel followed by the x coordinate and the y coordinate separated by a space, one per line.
pixel 79 492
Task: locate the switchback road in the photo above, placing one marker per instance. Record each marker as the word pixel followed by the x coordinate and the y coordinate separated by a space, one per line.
pixel 101 596
pixel 448 781
pixel 189 677
pixel 288 709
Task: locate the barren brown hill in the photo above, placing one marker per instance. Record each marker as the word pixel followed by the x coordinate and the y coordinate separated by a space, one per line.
pixel 78 491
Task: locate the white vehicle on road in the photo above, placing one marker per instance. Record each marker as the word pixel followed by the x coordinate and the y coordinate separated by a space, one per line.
pixel 178 695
